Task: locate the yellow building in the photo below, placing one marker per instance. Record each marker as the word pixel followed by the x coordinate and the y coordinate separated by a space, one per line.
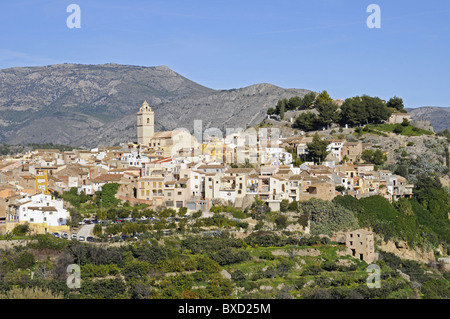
pixel 42 183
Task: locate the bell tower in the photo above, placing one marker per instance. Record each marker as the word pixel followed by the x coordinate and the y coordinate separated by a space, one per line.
pixel 145 124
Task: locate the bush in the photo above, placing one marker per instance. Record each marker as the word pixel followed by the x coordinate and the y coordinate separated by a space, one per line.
pixel 328 218
pixel 21 230
pixel 47 241
pixel 267 255
pixel 263 238
pixel 398 129
pixel 26 260
pixel 229 256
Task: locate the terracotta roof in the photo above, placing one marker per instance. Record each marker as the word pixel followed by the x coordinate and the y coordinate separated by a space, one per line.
pixel 104 178
pixel 44 208
pixel 239 170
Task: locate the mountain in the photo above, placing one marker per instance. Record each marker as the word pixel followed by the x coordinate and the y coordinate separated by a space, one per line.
pixel 439 117
pixel 90 105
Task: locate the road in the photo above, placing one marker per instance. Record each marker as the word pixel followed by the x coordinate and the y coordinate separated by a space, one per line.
pixel 85 231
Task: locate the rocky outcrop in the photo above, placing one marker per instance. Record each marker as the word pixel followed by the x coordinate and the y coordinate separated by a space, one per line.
pixel 402 250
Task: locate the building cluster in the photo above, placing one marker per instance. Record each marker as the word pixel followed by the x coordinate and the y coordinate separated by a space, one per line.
pixel 175 169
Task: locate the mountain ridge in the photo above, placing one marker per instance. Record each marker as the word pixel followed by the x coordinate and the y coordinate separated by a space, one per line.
pixel 438 116
pixel 88 104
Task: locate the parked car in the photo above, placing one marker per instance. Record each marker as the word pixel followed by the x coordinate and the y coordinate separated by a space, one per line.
pixel 74 236
pixel 65 235
pixel 56 235
pixel 90 239
pixel 81 238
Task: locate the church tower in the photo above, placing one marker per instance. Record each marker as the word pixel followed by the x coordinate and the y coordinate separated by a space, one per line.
pixel 145 124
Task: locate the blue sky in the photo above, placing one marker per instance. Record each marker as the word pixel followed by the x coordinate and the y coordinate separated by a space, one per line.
pixel 317 45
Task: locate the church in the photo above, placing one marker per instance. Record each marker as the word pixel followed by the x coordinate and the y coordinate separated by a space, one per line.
pixel 161 144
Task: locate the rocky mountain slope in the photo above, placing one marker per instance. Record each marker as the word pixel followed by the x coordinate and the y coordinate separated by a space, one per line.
pixel 439 117
pixel 90 105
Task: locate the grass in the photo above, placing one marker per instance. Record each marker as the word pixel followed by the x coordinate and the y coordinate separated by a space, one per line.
pixel 406 130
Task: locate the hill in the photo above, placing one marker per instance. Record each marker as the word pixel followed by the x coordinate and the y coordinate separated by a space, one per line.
pixel 439 117
pixel 87 105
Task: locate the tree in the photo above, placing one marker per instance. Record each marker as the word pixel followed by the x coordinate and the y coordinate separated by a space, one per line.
pixel 328 112
pixel 367 156
pixel 353 111
pixel 379 158
pixel 306 121
pixel 107 194
pixel 293 207
pixel 397 104
pixel 308 100
pixel 376 109
pixel 359 110
pixel 317 149
pixel 282 110
pixel 271 111
pixel 284 205
pixel 294 103
pixel 322 98
pixel 281 107
pixel 281 221
pixel 97 229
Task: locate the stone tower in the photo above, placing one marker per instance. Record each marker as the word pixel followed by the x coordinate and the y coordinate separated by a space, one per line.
pixel 145 124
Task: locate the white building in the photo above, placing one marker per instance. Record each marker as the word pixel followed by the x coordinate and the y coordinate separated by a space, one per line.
pixel 335 150
pixel 42 209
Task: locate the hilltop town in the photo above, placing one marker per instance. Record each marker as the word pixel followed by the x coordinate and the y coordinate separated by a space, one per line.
pixel 173 169
pixel 255 184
